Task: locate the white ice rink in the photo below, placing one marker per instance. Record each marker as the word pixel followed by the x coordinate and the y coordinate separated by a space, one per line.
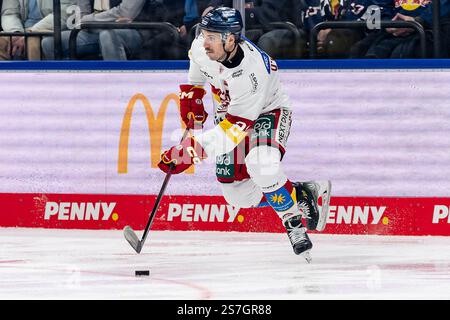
pixel 75 264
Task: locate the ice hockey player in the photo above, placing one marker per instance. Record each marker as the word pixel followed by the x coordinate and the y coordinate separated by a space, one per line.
pixel 252 124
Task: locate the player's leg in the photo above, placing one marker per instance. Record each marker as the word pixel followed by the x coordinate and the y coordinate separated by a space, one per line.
pixel 242 194
pixel 272 129
pixel 246 194
pixel 237 188
pixel 264 168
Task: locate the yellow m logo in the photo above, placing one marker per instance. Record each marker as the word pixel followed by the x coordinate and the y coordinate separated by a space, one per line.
pixel 186 95
pixel 155 130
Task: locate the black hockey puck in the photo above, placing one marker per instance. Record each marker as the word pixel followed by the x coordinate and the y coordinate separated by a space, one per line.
pixel 140 273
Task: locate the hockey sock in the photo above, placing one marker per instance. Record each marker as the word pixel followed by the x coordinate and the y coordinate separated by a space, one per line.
pixel 283 200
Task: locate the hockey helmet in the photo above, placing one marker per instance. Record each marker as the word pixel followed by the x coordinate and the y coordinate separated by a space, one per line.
pixel 223 20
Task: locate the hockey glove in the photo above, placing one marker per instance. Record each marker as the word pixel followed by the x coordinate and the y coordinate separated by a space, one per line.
pixel 191 106
pixel 179 158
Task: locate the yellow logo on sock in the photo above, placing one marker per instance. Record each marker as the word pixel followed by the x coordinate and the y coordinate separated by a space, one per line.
pixel 278 199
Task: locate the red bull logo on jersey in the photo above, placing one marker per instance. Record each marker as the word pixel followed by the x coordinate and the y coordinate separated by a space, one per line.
pixel 356 215
pixel 221 98
pixel 201 212
pixel 80 211
pixel 441 214
pixel 411 5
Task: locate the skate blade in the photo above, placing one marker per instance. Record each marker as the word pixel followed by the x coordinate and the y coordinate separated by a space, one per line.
pixel 307 256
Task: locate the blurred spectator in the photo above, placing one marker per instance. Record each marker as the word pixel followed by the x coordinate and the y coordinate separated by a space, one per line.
pixel 31 16
pixel 445 25
pixel 425 18
pixel 399 42
pixel 3 44
pixel 336 43
pixel 279 43
pixel 117 44
pixel 194 10
pixel 316 11
pixel 183 14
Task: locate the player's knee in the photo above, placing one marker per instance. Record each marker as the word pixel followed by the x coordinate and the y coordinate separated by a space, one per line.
pixel 240 195
pixel 238 201
pixel 263 161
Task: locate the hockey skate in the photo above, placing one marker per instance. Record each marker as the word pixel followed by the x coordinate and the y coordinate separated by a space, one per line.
pixel 301 244
pixel 308 195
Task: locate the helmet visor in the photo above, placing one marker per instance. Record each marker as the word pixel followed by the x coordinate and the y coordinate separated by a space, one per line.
pixel 210 36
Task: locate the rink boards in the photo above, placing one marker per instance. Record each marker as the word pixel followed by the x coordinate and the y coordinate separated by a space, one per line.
pixel 79 150
pixel 348 215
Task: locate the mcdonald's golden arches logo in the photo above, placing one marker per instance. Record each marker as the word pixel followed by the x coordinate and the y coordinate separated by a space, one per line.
pixel 155 129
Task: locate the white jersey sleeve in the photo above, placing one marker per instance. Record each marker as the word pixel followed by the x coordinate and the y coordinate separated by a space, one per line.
pixel 195 76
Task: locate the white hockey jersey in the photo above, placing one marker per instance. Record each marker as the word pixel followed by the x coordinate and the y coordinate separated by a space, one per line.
pixel 241 94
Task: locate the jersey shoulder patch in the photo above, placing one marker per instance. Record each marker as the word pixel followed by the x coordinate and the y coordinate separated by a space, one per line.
pixel 265 57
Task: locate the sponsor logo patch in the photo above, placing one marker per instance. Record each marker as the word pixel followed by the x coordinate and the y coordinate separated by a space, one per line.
pixel 280 200
pixel 237 74
pixel 225 166
pixel 254 82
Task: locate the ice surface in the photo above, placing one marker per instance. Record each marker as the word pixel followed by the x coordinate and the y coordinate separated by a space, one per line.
pixel 76 264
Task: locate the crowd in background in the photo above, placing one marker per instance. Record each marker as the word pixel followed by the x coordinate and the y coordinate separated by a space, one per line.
pixel 280 27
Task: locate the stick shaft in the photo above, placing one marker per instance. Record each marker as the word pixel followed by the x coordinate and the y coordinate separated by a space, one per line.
pixel 155 207
pixel 159 198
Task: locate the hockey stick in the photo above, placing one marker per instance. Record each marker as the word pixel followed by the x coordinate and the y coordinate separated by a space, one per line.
pixel 128 232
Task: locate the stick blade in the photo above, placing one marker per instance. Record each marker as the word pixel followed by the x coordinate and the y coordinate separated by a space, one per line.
pixel 132 239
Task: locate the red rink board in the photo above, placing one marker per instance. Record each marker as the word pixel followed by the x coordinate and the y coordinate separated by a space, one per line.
pixel 348 215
